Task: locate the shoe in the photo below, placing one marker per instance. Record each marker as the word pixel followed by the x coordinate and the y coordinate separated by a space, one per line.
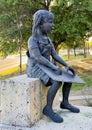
pixel 54 116
pixel 69 107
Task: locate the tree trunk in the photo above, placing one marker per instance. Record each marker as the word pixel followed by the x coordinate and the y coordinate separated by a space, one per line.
pixel 88 49
pixel 85 50
pixel 74 52
pixel 20 59
pixel 19 24
pixel 21 41
pixel 68 51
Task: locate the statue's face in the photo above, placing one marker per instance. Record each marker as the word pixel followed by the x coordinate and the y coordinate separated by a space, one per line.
pixel 47 26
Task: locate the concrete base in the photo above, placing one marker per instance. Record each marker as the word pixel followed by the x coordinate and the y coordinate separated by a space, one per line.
pixel 72 121
pixel 22 100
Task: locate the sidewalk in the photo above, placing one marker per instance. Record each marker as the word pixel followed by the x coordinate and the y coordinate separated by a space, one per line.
pixel 72 121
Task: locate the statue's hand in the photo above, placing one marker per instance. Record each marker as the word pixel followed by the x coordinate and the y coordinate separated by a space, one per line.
pixel 69 68
pixel 58 71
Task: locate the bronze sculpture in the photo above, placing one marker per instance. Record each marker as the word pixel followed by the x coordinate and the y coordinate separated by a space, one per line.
pixel 40 49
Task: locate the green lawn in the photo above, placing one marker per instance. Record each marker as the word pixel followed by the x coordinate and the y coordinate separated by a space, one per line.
pixel 72 57
pixel 85 73
pixel 87 77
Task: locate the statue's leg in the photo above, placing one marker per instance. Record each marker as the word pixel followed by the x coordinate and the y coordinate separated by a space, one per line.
pixel 48 111
pixel 65 103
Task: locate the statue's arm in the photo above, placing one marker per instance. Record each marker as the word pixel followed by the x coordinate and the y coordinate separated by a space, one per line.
pixel 40 59
pixel 57 58
pixel 35 53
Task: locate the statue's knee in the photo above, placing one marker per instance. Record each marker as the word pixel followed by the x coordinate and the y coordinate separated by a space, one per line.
pixel 57 84
pixel 67 84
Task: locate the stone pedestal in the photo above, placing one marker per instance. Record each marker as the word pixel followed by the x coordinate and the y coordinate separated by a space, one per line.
pixel 22 100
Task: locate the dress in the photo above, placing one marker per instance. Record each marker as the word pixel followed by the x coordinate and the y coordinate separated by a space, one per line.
pixel 45 46
pixel 34 69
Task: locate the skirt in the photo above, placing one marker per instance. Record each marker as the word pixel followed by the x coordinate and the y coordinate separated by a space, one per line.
pixel 36 72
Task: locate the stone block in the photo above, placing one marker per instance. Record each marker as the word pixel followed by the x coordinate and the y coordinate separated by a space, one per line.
pixel 22 100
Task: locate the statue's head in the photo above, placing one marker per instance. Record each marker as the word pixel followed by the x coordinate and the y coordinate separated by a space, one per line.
pixel 39 18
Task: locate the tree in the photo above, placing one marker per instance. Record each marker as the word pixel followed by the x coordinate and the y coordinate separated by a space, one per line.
pixel 16 24
pixel 13 15
pixel 71 28
pixel 16 21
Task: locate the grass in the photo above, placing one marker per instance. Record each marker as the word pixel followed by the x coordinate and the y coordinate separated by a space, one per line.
pixel 12 72
pixel 72 57
pixel 82 71
pixel 88 81
pixel 85 74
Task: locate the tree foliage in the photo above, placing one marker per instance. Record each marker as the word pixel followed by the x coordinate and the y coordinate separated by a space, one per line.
pixel 73 22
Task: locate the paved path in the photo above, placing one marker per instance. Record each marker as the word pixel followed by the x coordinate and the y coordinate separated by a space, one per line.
pixel 72 121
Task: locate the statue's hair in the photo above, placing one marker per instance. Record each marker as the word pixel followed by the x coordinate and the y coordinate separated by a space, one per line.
pixel 39 17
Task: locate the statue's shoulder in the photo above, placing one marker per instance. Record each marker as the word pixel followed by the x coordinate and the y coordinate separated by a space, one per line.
pixel 32 42
pixel 50 41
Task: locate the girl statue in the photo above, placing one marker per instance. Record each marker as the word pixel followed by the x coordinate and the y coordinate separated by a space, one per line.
pixel 41 49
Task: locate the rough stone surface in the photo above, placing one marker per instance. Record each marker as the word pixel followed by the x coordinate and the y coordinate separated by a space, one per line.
pixel 72 121
pixel 22 100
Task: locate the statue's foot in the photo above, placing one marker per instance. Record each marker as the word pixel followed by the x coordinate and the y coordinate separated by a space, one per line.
pixel 69 107
pixel 54 116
